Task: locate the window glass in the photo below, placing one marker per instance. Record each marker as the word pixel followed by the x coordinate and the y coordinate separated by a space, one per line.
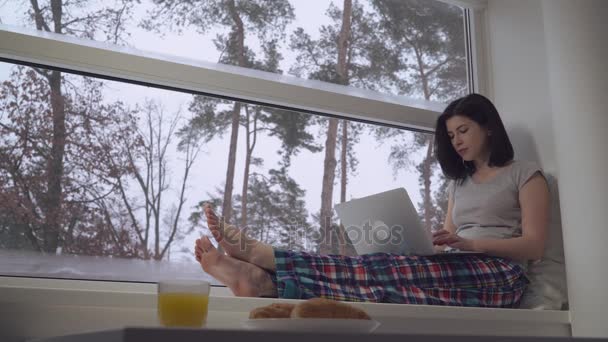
pixel 104 180
pixel 407 47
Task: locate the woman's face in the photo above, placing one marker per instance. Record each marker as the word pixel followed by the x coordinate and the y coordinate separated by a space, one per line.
pixel 469 139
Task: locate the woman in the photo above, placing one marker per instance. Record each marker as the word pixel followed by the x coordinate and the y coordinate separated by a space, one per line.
pixel 497 206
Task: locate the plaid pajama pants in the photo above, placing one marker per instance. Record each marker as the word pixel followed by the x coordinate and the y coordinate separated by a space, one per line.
pixel 457 280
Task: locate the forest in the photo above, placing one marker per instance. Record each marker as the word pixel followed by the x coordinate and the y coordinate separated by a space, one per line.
pixel 89 170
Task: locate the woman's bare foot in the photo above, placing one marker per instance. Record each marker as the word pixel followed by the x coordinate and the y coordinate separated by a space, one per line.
pixel 236 244
pixel 244 279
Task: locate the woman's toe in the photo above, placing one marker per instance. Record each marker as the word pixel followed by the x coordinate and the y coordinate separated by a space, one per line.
pixel 206 244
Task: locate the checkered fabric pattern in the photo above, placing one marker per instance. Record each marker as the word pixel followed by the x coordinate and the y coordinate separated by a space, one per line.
pixel 452 279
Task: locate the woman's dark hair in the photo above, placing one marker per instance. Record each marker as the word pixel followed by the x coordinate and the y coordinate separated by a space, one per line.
pixel 481 110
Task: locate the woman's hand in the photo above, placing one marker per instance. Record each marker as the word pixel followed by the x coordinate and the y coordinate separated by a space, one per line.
pixel 444 237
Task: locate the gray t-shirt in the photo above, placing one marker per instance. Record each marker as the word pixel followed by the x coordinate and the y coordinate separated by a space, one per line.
pixel 491 209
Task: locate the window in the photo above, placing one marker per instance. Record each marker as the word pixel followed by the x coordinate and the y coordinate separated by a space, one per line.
pixel 414 48
pixel 107 176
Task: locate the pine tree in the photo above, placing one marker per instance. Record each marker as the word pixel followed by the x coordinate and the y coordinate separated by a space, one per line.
pixel 430 37
pixel 265 19
pixel 349 52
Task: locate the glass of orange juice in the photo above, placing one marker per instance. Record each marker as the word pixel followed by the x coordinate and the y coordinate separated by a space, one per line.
pixel 183 303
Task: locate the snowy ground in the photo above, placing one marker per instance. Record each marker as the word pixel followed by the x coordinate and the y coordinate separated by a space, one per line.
pixel 31 264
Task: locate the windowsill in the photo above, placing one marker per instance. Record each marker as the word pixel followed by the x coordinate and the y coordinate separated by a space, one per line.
pixel 20 263
pixel 37 308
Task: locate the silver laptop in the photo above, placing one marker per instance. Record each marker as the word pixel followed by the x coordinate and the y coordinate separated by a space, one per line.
pixel 386 222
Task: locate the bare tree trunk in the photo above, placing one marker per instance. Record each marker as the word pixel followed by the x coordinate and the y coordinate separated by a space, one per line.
pixel 149 193
pixel 57 9
pixel 159 192
pixel 246 172
pixel 240 36
pixel 328 245
pixel 343 159
pixel 343 42
pixel 345 245
pixel 53 198
pixel 234 136
pixel 427 173
pixel 329 170
pixel 250 147
pixel 52 221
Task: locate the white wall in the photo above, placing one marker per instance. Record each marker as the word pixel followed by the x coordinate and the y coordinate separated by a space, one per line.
pixel 519 86
pixel 519 82
pixel 575 33
pixel 550 83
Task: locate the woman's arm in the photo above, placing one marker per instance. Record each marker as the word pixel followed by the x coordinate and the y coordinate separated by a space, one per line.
pixel 534 203
pixel 448 224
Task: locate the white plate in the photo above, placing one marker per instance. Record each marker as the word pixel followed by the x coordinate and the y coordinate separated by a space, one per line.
pixel 312 324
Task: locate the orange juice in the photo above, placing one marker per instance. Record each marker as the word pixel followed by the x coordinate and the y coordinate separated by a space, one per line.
pixel 176 309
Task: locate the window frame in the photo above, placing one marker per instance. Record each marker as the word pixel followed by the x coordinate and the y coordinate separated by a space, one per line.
pixel 24 291
pixel 123 64
pixel 96 59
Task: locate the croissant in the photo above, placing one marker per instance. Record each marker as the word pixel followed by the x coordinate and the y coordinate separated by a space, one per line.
pixel 312 308
pixel 275 310
pixel 326 308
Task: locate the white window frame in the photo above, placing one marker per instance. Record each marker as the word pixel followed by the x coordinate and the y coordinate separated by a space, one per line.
pixel 102 60
pixel 477 51
pixel 124 64
pixel 45 49
pixel 97 59
pixel 20 45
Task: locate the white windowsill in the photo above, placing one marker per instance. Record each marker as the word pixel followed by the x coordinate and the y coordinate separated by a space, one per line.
pixel 38 308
